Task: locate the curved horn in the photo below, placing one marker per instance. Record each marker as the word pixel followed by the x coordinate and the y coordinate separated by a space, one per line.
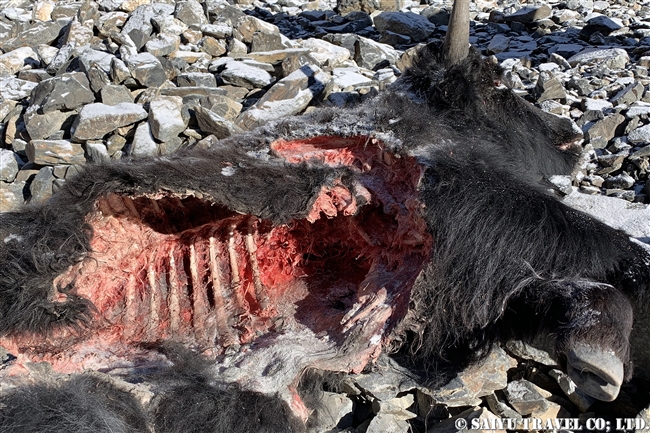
pixel 456 45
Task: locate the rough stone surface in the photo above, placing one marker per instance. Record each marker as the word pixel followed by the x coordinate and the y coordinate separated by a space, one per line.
pixel 335 411
pixel 325 52
pixel 190 12
pixel 65 92
pixel 41 186
pixel 8 165
pixel 577 397
pixel 52 152
pixel 97 120
pixel 477 381
pixel 196 79
pixel 15 89
pixel 548 87
pixel 369 54
pixel 630 94
pixel 525 398
pixel 288 96
pixel 41 126
pixel 614 58
pixel 530 14
pixel 240 74
pixel 640 135
pixel 114 94
pixel 146 69
pixel 166 118
pixel 415 26
pixel 21 58
pixel 143 142
pixel 222 105
pixel 97 152
pixel 605 128
pixel 39 33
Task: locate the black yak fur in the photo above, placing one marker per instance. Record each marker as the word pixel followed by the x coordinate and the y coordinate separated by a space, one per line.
pixel 508 260
pixel 188 400
pixel 83 404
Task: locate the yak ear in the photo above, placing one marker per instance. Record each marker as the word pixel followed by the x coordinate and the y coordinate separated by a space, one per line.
pixel 456 45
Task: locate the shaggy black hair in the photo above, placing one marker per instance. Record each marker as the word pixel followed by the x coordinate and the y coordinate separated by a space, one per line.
pixel 194 403
pixel 82 404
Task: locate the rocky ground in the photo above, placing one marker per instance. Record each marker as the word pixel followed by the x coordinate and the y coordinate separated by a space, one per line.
pixel 91 81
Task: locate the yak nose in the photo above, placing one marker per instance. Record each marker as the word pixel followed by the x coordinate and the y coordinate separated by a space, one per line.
pixel 597 372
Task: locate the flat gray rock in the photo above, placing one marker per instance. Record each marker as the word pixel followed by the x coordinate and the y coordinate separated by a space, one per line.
pixel 13 61
pixel 222 105
pixel 143 142
pixel 11 195
pixel 529 14
pixel 498 44
pixel 15 89
pixel 369 53
pixel 55 152
pixel 41 126
pixel 146 69
pixel 613 58
pixel 477 381
pixel 215 124
pixel 524 397
pixel 217 30
pixel 41 186
pixel 196 79
pixel 417 27
pixel 36 34
pixel 638 109
pixel 190 12
pixel 8 165
pixel 630 94
pixel 349 77
pixel 243 75
pixel 90 57
pixel 65 92
pixel 163 45
pixel 632 218
pixel 166 117
pixel 325 52
pixel 113 94
pixel 287 97
pixel 605 128
pixel 548 87
pixel 97 152
pixel 640 135
pixel 96 120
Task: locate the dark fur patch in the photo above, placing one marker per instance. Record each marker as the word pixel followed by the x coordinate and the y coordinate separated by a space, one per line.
pixel 83 404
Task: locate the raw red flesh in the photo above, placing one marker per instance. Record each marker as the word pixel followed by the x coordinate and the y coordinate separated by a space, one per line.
pixel 166 268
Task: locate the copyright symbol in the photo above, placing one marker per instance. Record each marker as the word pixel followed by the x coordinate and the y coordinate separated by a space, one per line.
pixel 461 423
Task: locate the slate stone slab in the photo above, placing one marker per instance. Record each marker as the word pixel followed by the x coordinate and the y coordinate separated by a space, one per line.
pixel 13 61
pixel 8 165
pixel 166 117
pixel 413 25
pixel 66 92
pixel 96 120
pixel 54 152
pixel 146 69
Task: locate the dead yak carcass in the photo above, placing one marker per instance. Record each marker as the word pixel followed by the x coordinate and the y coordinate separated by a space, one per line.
pixel 420 217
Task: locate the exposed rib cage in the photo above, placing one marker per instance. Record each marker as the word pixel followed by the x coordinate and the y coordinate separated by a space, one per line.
pixel 178 267
pixel 201 284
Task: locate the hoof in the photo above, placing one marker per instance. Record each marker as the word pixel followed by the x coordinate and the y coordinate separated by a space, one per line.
pixel 596 372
